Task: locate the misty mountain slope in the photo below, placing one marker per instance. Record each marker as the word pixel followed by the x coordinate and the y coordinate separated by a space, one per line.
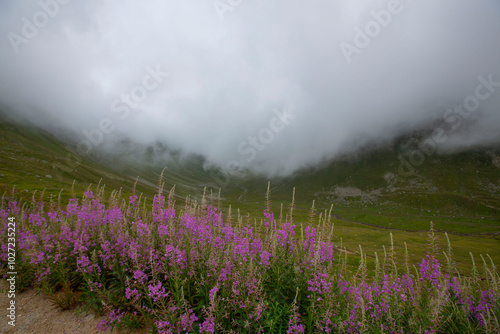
pixel 32 159
pixel 455 192
pixel 460 192
pixel 187 173
pixel 296 78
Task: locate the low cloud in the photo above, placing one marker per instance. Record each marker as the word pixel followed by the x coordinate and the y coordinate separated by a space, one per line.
pixel 224 69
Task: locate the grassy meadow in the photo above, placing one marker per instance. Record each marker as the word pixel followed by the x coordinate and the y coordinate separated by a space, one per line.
pixel 198 270
pixel 193 254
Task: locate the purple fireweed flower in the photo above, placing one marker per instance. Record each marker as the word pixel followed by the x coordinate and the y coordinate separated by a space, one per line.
pixel 157 291
pixel 84 215
pixel 113 215
pixel 98 269
pixel 264 258
pixel 140 276
pixel 396 286
pixel 115 316
pixel 107 253
pixel 133 204
pixel 408 285
pixel 56 257
pixel 343 284
pixel 45 273
pixel 37 220
pixel 14 209
pixel 212 292
pixel 133 199
pixel 132 293
pixel 158 201
pixel 228 232
pixel 72 208
pixel 285 235
pixel 235 288
pixel 53 217
pixel 326 251
pixel 37 258
pixel 251 285
pixel 164 327
pixel 269 220
pixel 209 252
pixel 479 309
pixel 309 239
pixel 88 194
pixel 319 284
pixel 225 273
pixel 294 326
pixel 162 230
pixel 430 270
pixel 219 243
pixel 189 222
pixel 104 325
pixel 67 236
pixel 385 285
pixel 176 256
pixel 187 321
pixel 295 329
pixel 95 285
pixel 241 248
pixel 184 323
pixel 4 214
pixel 83 263
pixel 327 324
pixel 454 287
pixel 142 228
pixel 164 216
pixel 133 250
pixel 208 325
pixel 214 217
pixel 247 231
pixel 256 246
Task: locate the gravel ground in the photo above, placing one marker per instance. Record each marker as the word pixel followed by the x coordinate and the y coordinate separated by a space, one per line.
pixel 37 315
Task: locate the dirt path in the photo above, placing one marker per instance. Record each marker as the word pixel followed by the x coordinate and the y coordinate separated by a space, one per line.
pixel 36 315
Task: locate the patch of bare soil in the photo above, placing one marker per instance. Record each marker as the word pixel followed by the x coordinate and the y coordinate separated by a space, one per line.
pixel 35 314
pixel 496 160
pixel 343 193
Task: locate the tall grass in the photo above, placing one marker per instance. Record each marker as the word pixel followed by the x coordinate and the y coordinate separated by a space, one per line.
pixel 192 270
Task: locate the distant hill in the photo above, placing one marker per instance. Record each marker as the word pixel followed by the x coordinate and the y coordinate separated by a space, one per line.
pixel 33 159
pixel 460 192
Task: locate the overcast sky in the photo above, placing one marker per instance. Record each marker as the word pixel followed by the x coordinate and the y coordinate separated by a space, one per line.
pixel 309 80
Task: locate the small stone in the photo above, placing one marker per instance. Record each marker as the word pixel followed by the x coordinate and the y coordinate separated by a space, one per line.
pixel 48 176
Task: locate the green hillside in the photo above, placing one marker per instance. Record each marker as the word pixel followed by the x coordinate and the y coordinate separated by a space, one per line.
pixel 31 159
pixel 459 193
